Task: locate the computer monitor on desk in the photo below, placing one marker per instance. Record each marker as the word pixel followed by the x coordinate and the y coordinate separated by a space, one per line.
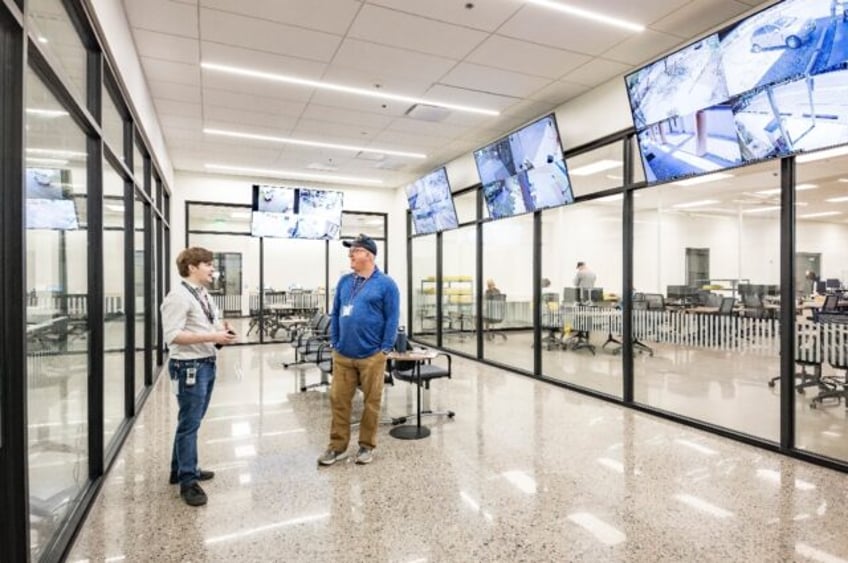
pixel 833 284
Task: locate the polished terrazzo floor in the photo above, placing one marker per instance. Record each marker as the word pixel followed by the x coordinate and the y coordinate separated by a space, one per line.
pixel 524 472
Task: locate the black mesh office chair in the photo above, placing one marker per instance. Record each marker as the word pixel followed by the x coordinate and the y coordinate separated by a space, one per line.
pixel 494 309
pixel 551 320
pixel 406 371
pixel 835 351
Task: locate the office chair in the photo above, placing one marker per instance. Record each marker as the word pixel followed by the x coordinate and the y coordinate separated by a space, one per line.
pixel 640 323
pixel 808 353
pixel 551 320
pixel 494 308
pixel 324 363
pixel 308 343
pixel 835 338
pixel 406 371
pixel 580 332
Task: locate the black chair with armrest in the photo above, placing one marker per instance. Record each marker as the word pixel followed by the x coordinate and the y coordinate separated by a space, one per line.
pixel 307 344
pixel 408 371
pixel 494 310
pixel 835 351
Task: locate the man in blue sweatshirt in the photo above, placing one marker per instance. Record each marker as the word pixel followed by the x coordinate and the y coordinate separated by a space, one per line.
pixel 363 327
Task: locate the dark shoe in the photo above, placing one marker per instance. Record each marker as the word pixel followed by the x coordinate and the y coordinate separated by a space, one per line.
pixel 193 494
pixel 202 475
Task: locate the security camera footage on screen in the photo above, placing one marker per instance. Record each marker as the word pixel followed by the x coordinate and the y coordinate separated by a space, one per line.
pixel 303 213
pixel 49 203
pixel 768 86
pixel 524 171
pixel 431 203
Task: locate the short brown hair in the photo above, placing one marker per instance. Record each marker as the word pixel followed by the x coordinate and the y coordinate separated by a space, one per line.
pixel 192 257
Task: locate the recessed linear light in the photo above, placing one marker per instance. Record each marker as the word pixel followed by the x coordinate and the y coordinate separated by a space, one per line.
pixel 842 199
pixel 46 112
pixel 589 15
pixel 594 168
pixel 699 203
pixel 822 214
pixel 762 209
pixel 292 174
pixel 49 161
pixel 340 88
pixel 55 152
pixel 290 141
pixel 798 188
pixel 703 179
pixel 821 155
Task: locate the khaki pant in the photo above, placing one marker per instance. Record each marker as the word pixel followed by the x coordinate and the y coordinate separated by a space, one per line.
pixel 348 374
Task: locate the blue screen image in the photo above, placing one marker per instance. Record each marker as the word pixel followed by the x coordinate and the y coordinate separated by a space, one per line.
pixel 431 203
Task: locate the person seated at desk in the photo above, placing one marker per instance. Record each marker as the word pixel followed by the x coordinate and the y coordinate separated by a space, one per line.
pixel 491 288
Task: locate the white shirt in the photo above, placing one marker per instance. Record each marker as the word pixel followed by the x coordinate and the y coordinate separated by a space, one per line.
pixel 181 311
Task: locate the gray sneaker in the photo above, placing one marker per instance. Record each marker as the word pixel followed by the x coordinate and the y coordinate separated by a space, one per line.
pixel 364 456
pixel 331 456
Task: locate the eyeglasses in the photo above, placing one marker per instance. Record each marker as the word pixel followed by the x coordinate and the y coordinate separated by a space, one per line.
pixel 353 251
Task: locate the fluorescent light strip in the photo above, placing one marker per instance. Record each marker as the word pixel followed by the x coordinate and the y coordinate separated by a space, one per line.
pixel 703 179
pixel 46 112
pixel 798 188
pixel 340 88
pixel 822 214
pixel 699 203
pixel 56 152
pixel 595 167
pixel 762 209
pixel 589 15
pixel 292 174
pixel 51 161
pixel 290 141
pixel 821 155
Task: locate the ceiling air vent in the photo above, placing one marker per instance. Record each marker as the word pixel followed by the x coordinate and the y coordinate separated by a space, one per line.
pixel 426 112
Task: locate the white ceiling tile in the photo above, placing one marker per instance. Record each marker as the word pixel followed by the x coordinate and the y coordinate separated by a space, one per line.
pixel 642 12
pixel 384 60
pixel 529 110
pixel 524 57
pixel 643 47
pixel 247 120
pixel 332 16
pixel 253 33
pixel 493 80
pixel 389 27
pixel 163 16
pixel 260 60
pixel 698 16
pixel 541 25
pixel 325 113
pixel 180 122
pixel 464 96
pixel 487 15
pixel 419 127
pixel 351 102
pixel 256 102
pixel 597 72
pixel 368 80
pixel 174 107
pixel 220 81
pixel 166 47
pixel 166 71
pixel 408 141
pixel 328 131
pixel 175 91
pixel 559 92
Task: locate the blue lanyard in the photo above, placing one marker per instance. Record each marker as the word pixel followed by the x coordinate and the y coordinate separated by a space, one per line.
pixel 357 286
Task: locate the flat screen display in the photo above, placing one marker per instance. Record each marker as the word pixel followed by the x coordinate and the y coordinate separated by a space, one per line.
pixel 780 74
pixel 48 204
pixel 524 171
pixel 305 213
pixel 431 203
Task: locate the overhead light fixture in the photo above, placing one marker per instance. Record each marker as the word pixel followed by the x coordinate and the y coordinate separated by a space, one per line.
pixel 762 209
pixel 46 112
pixel 273 77
pixel 589 15
pixel 821 155
pixel 594 168
pixel 703 179
pixel 301 142
pixel 292 174
pixel 48 161
pixel 821 214
pixel 55 152
pixel 699 203
pixel 798 188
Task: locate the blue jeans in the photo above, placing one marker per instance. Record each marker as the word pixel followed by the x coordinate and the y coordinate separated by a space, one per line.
pixel 193 401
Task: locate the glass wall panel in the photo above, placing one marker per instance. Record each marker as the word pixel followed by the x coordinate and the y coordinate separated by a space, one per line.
pixel 236 287
pixel 371 225
pixel 508 263
pixel 597 170
pixel 292 293
pixel 154 285
pixel 140 306
pixel 459 252
pixel 138 164
pixel 113 125
pixel 581 325
pixel 221 218
pixel 57 318
pixel 423 280
pixel 59 40
pixel 706 274
pixel 353 223
pixel 638 167
pixel 466 206
pixel 821 276
pixel 115 340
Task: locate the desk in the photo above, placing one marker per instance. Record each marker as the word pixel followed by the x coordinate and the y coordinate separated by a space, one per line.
pixel 408 432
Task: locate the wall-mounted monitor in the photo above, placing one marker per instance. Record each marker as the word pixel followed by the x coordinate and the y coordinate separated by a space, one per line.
pixel 524 171
pixel 305 213
pixel 431 203
pixel 780 73
pixel 49 205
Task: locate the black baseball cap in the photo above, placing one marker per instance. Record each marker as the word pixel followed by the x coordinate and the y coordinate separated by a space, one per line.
pixel 362 241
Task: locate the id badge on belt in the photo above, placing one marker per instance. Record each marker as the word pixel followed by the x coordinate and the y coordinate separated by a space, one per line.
pixel 347 310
